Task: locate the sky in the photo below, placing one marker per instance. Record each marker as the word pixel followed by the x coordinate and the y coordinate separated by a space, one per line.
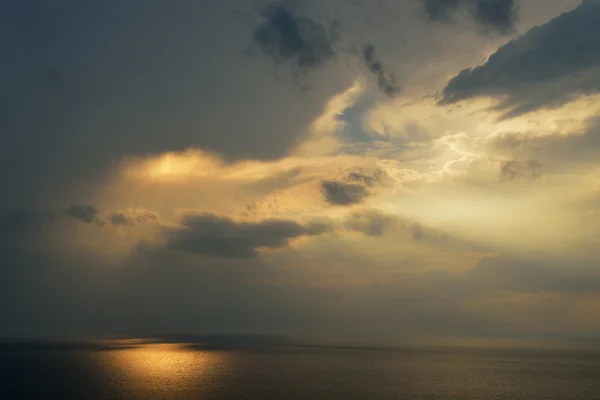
pixel 353 169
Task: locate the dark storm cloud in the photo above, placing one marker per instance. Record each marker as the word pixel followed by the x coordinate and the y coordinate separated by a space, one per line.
pixel 215 236
pixel 299 40
pixel 85 213
pixel 491 15
pixel 305 44
pixel 343 194
pixel 77 98
pixel 548 66
pixel 495 14
pixel 385 82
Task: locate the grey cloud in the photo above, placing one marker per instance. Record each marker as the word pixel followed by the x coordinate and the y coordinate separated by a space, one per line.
pixel 546 67
pixel 84 213
pixel 440 9
pixel 537 275
pixel 377 223
pixel 215 236
pixel 534 166
pixel 511 170
pixel 18 224
pixel 561 150
pixel 495 277
pixel 355 186
pixel 301 41
pixel 496 15
pixel 141 216
pixel 146 215
pixel 305 44
pixel 118 97
pixel 362 178
pixel 118 218
pixel 72 110
pixel 385 82
pixel 46 294
pixel 373 222
pixel 492 15
pixel 419 233
pixel 370 222
pixel 342 193
pixel 372 178
pixel 525 155
pixel 21 221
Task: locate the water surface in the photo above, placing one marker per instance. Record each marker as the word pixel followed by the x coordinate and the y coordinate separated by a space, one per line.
pixel 176 371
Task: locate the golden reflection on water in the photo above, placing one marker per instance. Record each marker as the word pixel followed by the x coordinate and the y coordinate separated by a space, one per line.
pixel 163 369
pixel 159 361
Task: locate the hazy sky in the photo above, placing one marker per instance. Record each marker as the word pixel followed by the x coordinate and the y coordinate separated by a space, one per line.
pixel 333 168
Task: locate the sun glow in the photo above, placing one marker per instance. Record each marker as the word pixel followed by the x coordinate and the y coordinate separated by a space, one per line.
pixel 173 165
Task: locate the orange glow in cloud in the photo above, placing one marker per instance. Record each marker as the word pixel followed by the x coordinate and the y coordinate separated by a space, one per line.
pixel 173 166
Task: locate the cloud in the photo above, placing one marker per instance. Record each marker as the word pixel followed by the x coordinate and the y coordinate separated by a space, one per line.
pixel 546 67
pixel 87 214
pixel 511 170
pixel 538 274
pixel 229 143
pixel 300 41
pixel 385 82
pixel 371 222
pixel 498 15
pixel 306 44
pixel 212 235
pixel 491 15
pixel 17 224
pixel 373 178
pixel 343 194
pixel 89 111
pixel 526 154
pixel 145 215
pixel 119 218
pixel 440 9
pixel 21 222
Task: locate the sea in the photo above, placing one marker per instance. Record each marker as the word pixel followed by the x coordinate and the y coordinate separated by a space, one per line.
pixel 164 370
